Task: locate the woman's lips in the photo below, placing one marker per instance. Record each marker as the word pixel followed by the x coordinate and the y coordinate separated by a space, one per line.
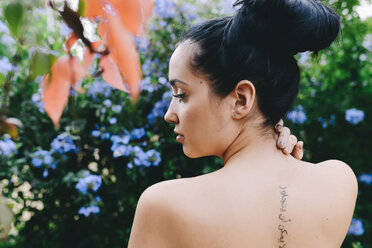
pixel 180 138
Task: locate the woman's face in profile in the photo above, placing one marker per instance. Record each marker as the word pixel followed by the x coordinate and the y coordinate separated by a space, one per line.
pixel 201 118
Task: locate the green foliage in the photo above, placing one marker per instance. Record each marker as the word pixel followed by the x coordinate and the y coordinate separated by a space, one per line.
pixel 46 208
pixel 14 14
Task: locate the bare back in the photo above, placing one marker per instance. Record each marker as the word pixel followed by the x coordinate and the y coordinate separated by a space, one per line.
pixel 311 207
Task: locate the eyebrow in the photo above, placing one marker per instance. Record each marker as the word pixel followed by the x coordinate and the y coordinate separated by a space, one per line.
pixel 173 81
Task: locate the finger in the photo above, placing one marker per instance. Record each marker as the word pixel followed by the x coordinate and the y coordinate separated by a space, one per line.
pixel 279 126
pixel 292 141
pixel 283 137
pixel 298 151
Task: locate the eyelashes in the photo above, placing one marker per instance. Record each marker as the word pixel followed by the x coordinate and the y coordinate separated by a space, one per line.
pixel 180 96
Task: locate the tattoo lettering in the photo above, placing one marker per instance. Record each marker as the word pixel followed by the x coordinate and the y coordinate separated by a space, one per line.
pixel 283 219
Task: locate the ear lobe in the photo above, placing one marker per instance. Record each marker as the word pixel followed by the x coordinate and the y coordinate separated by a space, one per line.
pixel 244 95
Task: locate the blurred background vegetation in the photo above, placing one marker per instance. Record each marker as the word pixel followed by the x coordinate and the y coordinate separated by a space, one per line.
pixel 78 185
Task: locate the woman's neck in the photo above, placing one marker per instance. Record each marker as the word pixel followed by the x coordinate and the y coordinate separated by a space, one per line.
pixel 252 147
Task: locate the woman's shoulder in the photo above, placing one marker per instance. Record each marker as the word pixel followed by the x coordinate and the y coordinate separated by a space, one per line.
pixel 341 172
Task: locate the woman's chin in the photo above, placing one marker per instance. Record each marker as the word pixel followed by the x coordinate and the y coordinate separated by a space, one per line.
pixel 190 154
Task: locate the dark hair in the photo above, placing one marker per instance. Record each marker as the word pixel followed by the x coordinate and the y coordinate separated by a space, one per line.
pixel 258 43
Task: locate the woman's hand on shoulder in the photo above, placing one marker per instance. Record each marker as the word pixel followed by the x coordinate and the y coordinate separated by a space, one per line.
pixel 288 142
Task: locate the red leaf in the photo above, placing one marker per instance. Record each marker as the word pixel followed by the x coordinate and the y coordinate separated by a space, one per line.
pixel 56 90
pixel 71 41
pixel 88 56
pixel 102 30
pixel 111 73
pixel 77 72
pixel 130 13
pixel 66 72
pixel 124 53
pixel 147 7
pixel 93 8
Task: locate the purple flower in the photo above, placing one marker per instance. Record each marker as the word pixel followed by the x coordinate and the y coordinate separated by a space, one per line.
pixel 116 108
pixel 297 116
pixel 165 8
pixel 45 173
pixel 354 116
pixel 142 44
pixel 7 146
pixel 63 143
pixel 93 182
pixel 43 157
pixel 189 11
pixel 154 157
pixel 4 28
pixel 365 178
pixel 138 133
pixel 107 103
pixel 140 158
pixel 113 120
pixel 7 40
pixel 65 30
pixel 5 65
pixel 356 227
pixel 96 133
pixel 99 87
pixel 122 150
pixel 160 107
pixel 86 211
pixel 147 85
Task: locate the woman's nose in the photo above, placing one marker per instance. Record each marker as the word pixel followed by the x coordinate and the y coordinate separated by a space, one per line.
pixel 170 116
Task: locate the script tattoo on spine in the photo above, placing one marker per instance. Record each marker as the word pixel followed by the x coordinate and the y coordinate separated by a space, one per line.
pixel 283 219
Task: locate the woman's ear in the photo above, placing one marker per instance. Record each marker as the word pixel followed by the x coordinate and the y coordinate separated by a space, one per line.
pixel 243 97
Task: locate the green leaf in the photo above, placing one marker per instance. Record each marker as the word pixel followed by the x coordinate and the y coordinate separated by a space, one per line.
pixel 82 7
pixel 40 64
pixel 2 80
pixel 14 14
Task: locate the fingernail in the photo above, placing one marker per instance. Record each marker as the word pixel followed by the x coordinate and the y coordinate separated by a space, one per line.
pixel 281 143
pixel 287 148
pixel 279 127
pixel 301 145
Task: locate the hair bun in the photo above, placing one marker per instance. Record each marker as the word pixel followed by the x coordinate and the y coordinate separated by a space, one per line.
pixel 284 26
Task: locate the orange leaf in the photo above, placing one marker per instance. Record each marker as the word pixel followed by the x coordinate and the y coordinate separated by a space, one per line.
pixel 71 41
pixel 111 73
pixel 77 72
pixel 147 7
pixel 92 8
pixel 88 56
pixel 102 30
pixel 124 53
pixel 130 13
pixel 56 90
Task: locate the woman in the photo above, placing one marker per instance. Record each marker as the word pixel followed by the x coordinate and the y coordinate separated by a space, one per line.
pixel 233 78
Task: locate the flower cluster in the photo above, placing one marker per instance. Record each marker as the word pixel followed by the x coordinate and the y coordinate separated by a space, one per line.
pixel 63 143
pixel 6 39
pixel 86 211
pixel 7 146
pixel 365 178
pixel 354 116
pixel 160 107
pixel 89 181
pixel 5 66
pixel 147 159
pixel 99 87
pixel 356 227
pixel 43 158
pixel 165 8
pixel 297 116
pixel 325 123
